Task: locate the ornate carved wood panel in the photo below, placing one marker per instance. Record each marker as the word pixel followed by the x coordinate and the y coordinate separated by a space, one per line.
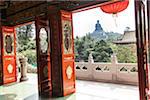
pixel 67 53
pixel 43 55
pixel 9 55
pixel 62 52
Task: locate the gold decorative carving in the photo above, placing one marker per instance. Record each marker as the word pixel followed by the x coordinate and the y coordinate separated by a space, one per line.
pixel 67 36
pixel 69 72
pixel 10 68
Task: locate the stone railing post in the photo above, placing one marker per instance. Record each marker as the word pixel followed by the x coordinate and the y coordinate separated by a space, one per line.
pixel 90 58
pixel 114 59
pixel 90 64
pixel 114 62
pixel 23 63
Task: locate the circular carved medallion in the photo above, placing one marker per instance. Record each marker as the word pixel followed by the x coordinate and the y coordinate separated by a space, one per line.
pixel 10 68
pixel 69 72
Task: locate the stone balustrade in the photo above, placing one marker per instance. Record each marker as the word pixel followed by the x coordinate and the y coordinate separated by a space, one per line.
pixel 124 73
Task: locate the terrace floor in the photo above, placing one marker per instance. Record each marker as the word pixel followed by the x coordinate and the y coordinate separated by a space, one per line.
pixel 85 90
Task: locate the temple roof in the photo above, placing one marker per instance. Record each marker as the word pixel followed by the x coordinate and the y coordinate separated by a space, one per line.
pixel 128 38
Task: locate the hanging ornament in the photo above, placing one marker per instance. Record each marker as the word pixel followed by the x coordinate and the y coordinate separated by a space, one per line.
pixel 115 8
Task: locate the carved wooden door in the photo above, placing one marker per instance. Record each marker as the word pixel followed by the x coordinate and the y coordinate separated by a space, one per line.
pixel 43 55
pixel 67 46
pixel 143 47
pixel 9 54
pixel 62 54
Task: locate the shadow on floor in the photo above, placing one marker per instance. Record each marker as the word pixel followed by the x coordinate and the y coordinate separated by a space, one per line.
pixel 8 97
pixel 36 97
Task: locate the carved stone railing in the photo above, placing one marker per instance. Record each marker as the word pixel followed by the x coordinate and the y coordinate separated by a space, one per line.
pixel 125 73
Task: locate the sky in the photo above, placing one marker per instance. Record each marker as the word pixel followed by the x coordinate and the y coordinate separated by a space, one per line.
pixel 84 22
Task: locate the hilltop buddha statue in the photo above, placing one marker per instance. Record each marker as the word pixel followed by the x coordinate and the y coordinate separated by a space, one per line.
pixel 98 26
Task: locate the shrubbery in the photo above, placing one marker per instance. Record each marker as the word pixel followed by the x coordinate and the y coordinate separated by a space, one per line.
pixel 31 55
pixel 26 44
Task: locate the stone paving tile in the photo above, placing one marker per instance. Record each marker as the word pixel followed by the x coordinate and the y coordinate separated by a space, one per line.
pixel 85 90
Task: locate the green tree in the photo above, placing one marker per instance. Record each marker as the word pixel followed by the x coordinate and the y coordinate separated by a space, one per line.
pixel 102 52
pixel 26 45
pixel 83 46
pixel 100 49
pixel 125 54
pixel 24 41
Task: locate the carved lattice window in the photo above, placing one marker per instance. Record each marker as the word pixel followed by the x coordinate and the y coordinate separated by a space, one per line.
pixel 43 40
pixel 8 44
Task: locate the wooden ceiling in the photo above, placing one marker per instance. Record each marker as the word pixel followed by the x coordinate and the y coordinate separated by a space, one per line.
pixel 69 5
pixel 72 5
pixel 23 10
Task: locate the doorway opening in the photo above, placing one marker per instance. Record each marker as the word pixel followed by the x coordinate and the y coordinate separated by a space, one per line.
pixel 105 51
pixel 85 71
pixel 26 51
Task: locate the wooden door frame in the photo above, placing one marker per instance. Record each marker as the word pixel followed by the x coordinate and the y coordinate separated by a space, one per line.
pixel 140 53
pixel 142 47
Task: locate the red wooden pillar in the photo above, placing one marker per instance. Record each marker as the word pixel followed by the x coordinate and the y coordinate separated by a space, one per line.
pixel 62 52
pixel 142 50
pixel 1 68
pixel 43 55
pixel 148 17
pixel 148 54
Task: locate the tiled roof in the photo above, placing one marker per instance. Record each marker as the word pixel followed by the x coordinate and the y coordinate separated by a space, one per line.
pixel 128 38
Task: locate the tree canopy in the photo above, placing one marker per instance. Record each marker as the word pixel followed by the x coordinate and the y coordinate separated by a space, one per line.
pixel 26 45
pixel 102 50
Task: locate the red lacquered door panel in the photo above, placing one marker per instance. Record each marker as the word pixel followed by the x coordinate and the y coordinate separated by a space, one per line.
pixel 67 53
pixel 9 55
